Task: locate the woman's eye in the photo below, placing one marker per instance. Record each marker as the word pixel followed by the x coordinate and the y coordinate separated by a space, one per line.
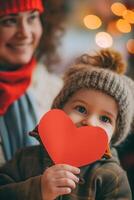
pixel 105 119
pixel 33 17
pixel 8 22
pixel 81 109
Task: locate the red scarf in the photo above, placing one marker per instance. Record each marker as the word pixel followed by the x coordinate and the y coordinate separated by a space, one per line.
pixel 13 84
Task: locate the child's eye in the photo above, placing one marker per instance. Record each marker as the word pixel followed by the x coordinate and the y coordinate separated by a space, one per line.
pixel 105 119
pixel 81 109
pixel 8 22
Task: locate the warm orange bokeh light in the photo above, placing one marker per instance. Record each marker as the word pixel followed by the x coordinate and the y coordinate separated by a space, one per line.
pixel 118 8
pixel 123 26
pixel 112 29
pixel 130 46
pixel 129 16
pixel 92 21
pixel 104 40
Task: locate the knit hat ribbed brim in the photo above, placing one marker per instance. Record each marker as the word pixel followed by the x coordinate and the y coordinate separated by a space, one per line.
pixel 15 6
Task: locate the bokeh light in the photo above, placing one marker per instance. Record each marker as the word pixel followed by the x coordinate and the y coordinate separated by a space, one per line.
pixel 118 8
pixel 112 28
pixel 92 21
pixel 104 40
pixel 130 46
pixel 123 26
pixel 129 16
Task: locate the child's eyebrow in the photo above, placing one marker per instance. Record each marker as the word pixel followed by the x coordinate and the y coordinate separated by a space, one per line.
pixel 78 101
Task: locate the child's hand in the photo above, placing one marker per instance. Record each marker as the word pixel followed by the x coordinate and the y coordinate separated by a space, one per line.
pixel 58 180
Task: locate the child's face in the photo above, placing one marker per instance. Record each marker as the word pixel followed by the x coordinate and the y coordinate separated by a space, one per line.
pixel 19 37
pixel 94 108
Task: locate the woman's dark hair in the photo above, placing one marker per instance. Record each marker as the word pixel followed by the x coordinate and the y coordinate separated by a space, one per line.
pixel 52 21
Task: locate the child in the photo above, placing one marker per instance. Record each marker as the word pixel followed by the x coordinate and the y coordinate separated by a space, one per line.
pixel 27 33
pixel 95 93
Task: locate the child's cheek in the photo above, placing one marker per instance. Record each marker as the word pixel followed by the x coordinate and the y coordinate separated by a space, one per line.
pixel 75 117
pixel 109 130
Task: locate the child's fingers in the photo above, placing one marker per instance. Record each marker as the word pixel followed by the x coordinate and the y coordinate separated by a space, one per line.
pixel 65 182
pixel 70 168
pixel 62 191
pixel 66 174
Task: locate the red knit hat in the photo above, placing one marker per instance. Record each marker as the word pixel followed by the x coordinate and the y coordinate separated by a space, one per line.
pixel 15 6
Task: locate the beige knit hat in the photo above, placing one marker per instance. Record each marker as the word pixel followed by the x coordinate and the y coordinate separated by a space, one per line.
pixel 102 71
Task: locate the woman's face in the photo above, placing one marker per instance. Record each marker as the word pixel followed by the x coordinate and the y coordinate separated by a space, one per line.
pixel 19 37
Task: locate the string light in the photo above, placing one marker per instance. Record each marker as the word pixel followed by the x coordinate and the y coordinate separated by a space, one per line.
pixel 104 40
pixel 92 21
pixel 115 27
pixel 118 8
pixel 123 26
pixel 129 16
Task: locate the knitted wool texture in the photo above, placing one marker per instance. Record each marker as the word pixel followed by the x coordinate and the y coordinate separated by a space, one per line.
pixel 116 85
pixel 15 6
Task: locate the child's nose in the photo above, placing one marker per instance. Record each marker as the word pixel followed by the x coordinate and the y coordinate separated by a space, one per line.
pixel 91 121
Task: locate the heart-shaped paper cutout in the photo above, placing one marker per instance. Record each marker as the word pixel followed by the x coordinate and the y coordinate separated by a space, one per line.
pixel 67 144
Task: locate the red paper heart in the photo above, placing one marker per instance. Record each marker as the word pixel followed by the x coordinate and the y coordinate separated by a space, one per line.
pixel 65 143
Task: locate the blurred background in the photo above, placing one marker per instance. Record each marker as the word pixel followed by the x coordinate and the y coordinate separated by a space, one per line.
pixel 92 24
pixel 89 25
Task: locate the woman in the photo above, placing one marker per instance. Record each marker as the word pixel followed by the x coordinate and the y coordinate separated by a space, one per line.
pixel 27 34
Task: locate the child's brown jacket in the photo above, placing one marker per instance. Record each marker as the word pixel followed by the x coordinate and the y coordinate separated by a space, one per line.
pixel 20 178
